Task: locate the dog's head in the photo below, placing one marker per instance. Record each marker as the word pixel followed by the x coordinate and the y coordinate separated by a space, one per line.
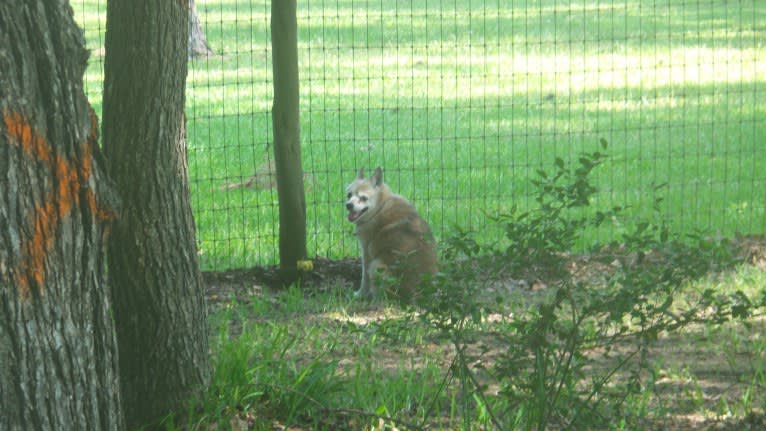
pixel 362 195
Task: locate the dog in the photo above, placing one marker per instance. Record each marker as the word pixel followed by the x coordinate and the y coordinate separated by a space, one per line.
pixel 396 243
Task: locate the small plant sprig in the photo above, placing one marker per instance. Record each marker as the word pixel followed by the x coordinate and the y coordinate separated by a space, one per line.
pixel 539 237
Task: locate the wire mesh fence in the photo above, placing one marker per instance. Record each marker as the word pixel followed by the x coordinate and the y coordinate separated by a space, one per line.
pixel 462 101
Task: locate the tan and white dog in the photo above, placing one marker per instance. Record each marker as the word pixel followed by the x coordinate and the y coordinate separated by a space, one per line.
pixel 396 242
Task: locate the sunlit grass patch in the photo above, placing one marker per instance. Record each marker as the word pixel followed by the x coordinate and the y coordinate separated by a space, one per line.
pixel 462 102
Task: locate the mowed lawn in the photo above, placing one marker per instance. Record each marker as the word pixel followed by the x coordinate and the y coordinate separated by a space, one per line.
pixel 462 102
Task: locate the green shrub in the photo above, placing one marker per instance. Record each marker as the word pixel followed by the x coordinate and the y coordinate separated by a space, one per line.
pixel 559 360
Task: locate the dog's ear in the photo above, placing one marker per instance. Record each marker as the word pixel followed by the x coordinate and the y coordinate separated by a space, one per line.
pixel 377 177
pixel 360 175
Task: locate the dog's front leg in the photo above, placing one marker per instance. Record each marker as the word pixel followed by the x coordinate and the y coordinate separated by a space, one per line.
pixel 373 272
pixel 365 288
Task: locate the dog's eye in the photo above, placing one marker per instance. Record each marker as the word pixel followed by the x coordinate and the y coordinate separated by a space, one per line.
pixel 363 198
pixel 348 196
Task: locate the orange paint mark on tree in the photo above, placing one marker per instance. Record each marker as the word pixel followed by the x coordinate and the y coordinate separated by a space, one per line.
pixel 31 141
pixel 68 185
pixel 34 250
pixel 45 218
pixel 91 144
pixel 59 203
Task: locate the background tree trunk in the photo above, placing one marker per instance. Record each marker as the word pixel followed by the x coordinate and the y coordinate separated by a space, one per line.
pixel 153 267
pixel 198 45
pixel 58 361
pixel 287 142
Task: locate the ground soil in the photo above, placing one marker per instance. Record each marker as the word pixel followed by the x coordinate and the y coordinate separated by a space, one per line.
pixel 241 284
pixel 237 283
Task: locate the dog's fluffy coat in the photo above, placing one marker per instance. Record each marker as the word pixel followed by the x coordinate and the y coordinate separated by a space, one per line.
pixel 395 241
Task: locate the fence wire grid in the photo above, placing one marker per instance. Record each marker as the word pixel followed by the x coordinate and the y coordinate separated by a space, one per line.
pixel 462 101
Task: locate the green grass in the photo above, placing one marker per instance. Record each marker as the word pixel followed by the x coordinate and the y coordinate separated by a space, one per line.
pixel 293 359
pixel 462 101
pixel 317 360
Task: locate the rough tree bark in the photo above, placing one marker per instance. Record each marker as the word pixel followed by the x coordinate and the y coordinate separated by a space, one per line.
pixel 287 143
pixel 58 360
pixel 153 266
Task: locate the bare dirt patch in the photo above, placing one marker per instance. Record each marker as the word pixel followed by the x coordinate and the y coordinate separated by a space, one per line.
pixel 701 370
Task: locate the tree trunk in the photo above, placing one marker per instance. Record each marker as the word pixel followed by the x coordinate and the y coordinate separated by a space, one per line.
pixel 58 360
pixel 198 45
pixel 287 143
pixel 153 267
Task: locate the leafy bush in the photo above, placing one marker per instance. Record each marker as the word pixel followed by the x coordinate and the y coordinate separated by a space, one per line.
pixel 558 363
pixel 574 356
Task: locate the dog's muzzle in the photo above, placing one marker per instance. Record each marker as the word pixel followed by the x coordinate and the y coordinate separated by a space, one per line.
pixel 353 215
